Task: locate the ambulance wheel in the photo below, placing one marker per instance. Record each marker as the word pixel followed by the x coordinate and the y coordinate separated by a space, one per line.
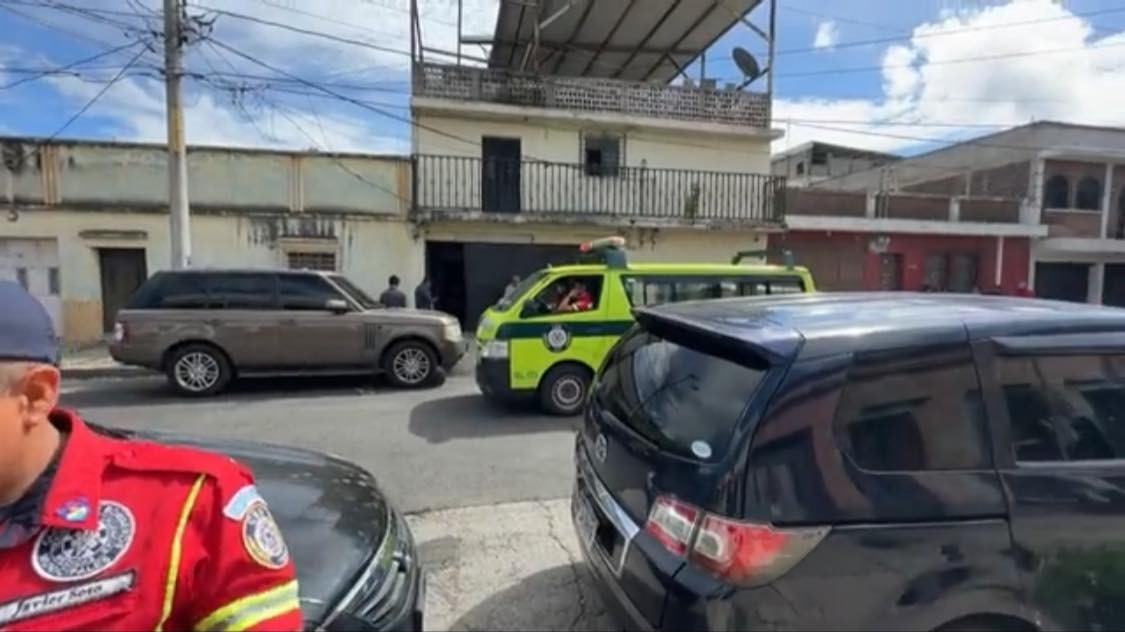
pixel 563 390
pixel 198 370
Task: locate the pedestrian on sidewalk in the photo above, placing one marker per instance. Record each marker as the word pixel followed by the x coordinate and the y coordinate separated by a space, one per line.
pixel 423 295
pixel 108 533
pixel 392 296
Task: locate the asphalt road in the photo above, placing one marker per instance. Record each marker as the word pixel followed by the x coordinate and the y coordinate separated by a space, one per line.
pixel 430 449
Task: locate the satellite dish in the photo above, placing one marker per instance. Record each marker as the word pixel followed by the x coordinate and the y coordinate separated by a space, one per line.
pixel 747 64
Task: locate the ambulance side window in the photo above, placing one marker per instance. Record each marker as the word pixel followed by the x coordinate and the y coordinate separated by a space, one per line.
pixel 566 295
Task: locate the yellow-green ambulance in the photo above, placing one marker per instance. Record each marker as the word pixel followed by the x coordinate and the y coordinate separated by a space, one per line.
pixel 547 337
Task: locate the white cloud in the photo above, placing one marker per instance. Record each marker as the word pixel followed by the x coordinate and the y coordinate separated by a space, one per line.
pixel 379 63
pixel 826 35
pixel 1003 84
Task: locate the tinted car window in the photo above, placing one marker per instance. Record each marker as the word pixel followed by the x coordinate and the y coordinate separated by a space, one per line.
pixel 1065 407
pixel 914 409
pixel 305 292
pixel 172 291
pixel 684 401
pixel 361 297
pixel 655 290
pixel 244 290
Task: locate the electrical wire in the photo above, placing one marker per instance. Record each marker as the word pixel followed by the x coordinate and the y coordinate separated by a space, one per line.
pixel 298 127
pixel 39 74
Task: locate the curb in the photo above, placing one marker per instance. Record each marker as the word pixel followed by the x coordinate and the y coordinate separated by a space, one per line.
pixel 91 373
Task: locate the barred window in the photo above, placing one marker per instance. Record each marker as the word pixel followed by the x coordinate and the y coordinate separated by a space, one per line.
pixel 324 261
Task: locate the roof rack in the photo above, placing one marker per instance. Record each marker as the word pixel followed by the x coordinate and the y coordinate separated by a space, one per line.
pixel 786 254
pixel 608 250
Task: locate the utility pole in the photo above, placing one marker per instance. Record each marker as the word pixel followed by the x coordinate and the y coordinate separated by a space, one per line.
pixel 179 220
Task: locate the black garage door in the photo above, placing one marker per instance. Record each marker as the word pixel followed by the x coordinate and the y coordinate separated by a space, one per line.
pixel 1062 281
pixel 468 277
pixel 1113 292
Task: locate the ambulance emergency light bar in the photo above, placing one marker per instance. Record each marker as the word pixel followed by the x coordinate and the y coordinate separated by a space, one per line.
pixel 786 254
pixel 608 250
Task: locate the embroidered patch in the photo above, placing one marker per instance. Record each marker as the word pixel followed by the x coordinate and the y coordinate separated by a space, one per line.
pixel 70 597
pixel 262 537
pixel 67 555
pixel 240 502
pixel 74 510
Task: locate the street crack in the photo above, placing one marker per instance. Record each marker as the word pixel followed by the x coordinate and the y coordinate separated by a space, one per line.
pixel 575 574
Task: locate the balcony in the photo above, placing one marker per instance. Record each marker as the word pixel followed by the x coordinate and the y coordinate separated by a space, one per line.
pixel 594 95
pixel 460 187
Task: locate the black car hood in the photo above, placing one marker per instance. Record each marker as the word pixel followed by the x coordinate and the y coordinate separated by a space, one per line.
pixel 331 511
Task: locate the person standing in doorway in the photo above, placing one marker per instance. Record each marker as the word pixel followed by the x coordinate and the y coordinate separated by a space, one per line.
pixel 392 296
pixel 512 285
pixel 423 295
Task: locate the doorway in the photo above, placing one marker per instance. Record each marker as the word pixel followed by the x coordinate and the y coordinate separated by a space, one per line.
pixel 500 174
pixel 467 278
pixel 890 272
pixel 1062 281
pixel 123 270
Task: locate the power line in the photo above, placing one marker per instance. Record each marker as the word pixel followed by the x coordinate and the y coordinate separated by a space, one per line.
pixel 211 45
pixel 943 62
pixel 90 103
pixel 309 32
pixel 64 68
pixel 838 18
pixel 946 32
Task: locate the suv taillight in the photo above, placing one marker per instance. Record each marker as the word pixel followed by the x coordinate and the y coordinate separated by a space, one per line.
pixel 732 550
pixel 119 332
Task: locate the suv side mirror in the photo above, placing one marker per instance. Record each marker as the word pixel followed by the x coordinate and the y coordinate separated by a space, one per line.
pixel 337 305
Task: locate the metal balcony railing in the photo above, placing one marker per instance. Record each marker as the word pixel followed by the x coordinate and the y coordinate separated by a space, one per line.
pixel 697 104
pixel 456 184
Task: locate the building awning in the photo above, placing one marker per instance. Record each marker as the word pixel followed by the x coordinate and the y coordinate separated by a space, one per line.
pixel 639 40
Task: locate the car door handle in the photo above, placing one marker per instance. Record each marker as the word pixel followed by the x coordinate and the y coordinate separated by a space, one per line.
pixel 288 321
pixel 214 322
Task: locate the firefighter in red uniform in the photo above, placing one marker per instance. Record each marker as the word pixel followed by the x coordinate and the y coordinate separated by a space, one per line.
pixel 105 533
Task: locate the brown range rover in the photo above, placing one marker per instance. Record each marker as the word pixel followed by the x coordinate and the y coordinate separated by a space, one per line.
pixel 203 328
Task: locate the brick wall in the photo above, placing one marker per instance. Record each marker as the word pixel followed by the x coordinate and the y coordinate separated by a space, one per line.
pixel 917 207
pixel 825 202
pixel 1073 223
pixel 990 210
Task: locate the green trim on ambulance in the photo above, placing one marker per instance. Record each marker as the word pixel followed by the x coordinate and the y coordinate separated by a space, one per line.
pixel 549 355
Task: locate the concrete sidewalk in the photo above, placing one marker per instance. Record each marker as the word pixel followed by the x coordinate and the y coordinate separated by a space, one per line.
pixel 514 566
pixel 95 362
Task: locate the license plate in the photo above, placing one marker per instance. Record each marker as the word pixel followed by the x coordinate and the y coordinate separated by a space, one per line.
pixel 585 521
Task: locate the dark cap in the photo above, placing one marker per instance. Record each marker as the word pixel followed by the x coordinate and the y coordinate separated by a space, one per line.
pixel 26 330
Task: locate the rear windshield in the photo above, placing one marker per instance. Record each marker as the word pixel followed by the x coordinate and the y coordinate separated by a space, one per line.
pixel 684 401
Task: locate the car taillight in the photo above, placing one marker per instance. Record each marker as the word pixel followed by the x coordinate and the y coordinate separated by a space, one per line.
pixel 732 550
pixel 119 332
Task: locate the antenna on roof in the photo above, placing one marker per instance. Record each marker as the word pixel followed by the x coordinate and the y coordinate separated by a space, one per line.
pixel 748 64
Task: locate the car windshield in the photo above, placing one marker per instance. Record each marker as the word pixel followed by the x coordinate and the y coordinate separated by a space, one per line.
pixel 505 303
pixel 353 290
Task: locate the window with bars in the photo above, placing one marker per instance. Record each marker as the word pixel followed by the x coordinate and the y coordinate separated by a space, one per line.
pixel 602 154
pixel 325 261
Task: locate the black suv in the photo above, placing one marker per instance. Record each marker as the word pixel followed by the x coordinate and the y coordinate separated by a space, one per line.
pixel 861 462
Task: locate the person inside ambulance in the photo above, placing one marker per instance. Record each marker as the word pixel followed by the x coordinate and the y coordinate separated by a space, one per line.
pixel 104 533
pixel 578 299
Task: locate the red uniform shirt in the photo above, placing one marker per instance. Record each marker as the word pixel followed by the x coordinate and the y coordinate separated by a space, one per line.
pixel 137 535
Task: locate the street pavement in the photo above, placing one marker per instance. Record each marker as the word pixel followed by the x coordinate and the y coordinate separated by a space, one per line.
pixel 486 488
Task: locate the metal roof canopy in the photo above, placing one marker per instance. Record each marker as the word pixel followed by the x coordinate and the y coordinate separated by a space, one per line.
pixel 639 40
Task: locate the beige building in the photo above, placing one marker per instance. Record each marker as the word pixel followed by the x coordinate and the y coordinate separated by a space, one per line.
pixel 85 223
pixel 547 143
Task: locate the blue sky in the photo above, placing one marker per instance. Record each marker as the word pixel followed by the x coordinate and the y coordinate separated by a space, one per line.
pixel 947 69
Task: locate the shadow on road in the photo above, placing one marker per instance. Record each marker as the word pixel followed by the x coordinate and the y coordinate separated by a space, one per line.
pixel 155 391
pixel 472 416
pixel 559 598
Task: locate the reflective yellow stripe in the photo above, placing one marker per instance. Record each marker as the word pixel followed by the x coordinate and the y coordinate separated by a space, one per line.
pixel 177 553
pixel 245 613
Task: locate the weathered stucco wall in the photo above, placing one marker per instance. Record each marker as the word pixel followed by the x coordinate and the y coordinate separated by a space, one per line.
pixel 367 250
